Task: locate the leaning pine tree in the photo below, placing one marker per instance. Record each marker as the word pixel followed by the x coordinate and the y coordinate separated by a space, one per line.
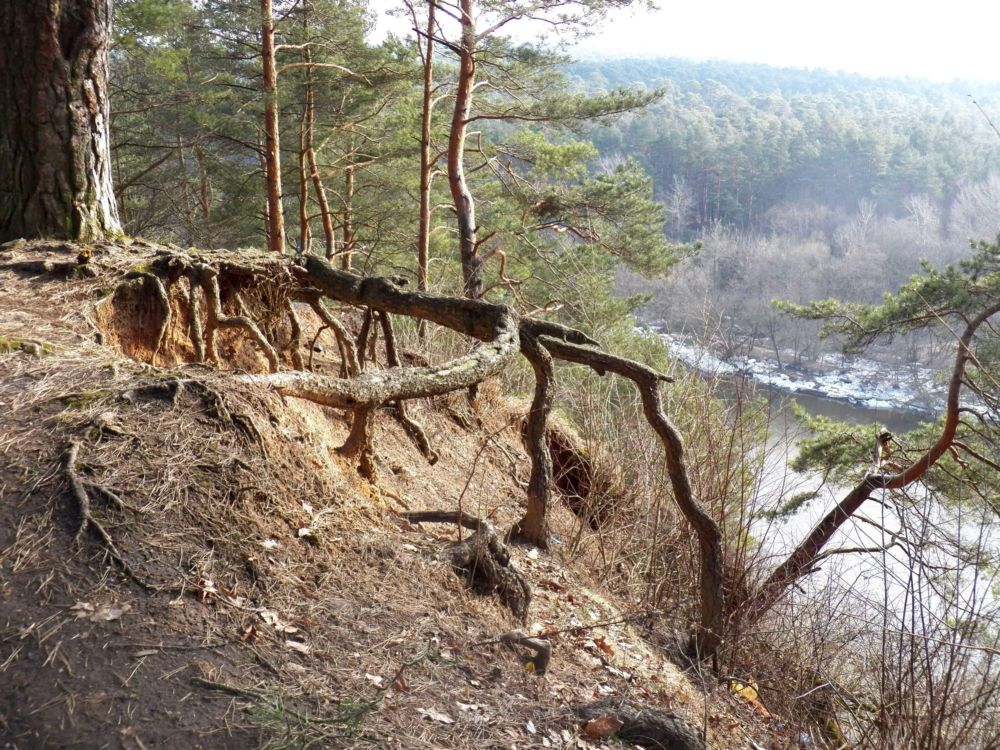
pixel 55 162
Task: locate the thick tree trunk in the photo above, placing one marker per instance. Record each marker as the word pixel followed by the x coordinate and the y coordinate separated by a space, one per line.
pixel 272 143
pixel 465 207
pixel 55 161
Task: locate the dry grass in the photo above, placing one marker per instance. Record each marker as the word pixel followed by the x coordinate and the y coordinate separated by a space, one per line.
pixel 288 605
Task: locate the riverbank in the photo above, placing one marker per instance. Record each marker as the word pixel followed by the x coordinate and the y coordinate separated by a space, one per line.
pixel 858 381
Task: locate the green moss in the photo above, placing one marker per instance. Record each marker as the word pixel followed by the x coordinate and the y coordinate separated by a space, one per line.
pixel 83 399
pixel 10 345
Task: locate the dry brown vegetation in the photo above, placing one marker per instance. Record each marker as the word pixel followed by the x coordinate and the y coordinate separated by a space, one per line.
pixel 239 584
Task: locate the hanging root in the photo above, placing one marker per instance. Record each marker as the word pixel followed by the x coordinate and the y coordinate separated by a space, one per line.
pixel 413 428
pixel 364 335
pixel 155 286
pixel 295 340
pixel 348 353
pixel 359 442
pixel 533 527
pixel 208 278
pixel 87 520
pixel 194 307
pixel 483 560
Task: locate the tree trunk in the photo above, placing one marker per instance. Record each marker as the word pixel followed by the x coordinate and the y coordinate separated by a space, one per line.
pixel 272 143
pixel 465 207
pixel 347 257
pixel 55 159
pixel 426 166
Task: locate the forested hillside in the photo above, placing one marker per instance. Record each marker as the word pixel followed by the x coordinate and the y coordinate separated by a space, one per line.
pixel 742 144
pixel 802 185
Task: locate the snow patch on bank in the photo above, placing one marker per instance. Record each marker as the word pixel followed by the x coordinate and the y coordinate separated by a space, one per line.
pixel 855 380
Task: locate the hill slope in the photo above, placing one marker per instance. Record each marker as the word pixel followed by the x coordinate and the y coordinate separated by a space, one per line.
pixel 238 583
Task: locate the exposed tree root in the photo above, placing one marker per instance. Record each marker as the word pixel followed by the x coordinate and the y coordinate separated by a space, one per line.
pixel 359 442
pixel 651 728
pixel 709 535
pixel 294 348
pixel 412 427
pixel 154 286
pixel 542 648
pixel 502 336
pixel 87 520
pixel 348 353
pixel 534 526
pixel 208 278
pixel 483 560
pixel 194 326
pixel 364 336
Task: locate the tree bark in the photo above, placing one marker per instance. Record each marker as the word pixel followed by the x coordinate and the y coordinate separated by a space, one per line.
pixel 426 164
pixel 347 256
pixel 465 207
pixel 272 143
pixel 55 160
pixel 534 526
pixel 324 204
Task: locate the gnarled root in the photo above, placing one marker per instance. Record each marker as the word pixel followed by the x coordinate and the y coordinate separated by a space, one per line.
pixel 541 648
pixel 483 560
pixel 413 428
pixel 651 728
pixel 359 442
pixel 208 278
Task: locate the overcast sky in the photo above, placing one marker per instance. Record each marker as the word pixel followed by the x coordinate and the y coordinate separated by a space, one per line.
pixel 917 38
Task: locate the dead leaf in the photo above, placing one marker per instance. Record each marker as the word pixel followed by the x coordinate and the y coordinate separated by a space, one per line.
pixel 375 680
pixel 435 715
pixel 602 727
pixel 302 648
pixel 530 726
pixel 270 617
pixel 603 645
pixel 104 613
pixel 399 684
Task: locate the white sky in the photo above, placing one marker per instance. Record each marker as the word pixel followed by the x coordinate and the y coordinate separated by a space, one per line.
pixel 915 38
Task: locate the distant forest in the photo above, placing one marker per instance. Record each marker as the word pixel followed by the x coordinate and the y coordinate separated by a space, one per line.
pixel 738 141
pixel 802 183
